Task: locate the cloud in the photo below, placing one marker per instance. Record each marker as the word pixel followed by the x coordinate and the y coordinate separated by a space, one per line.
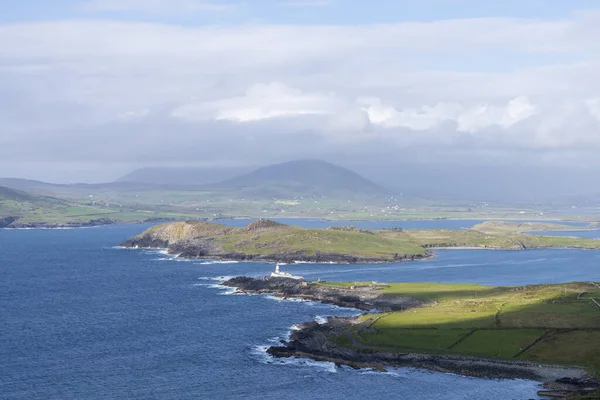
pixel 153 6
pixel 262 101
pixel 482 86
pixel 134 114
pixel 306 4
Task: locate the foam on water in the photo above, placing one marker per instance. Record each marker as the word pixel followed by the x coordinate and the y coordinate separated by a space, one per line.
pixel 208 262
pixel 314 262
pixel 261 353
pixel 290 299
pixel 319 319
pixel 220 279
pixel 225 291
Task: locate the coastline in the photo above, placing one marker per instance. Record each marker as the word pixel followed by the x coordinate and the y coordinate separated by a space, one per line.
pixel 14 224
pixel 313 339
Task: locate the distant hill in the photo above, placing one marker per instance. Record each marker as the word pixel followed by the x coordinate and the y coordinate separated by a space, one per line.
pixel 14 203
pixel 27 184
pixel 79 189
pixel 302 177
pixel 14 195
pixel 182 176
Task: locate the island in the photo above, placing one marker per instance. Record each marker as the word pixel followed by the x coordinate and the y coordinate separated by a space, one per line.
pixel 549 333
pixel 266 240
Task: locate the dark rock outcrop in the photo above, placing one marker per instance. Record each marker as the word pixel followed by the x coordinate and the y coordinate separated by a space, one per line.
pixel 318 340
pixel 360 297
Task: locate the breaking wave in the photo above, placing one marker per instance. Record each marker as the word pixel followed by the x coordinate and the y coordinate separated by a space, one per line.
pixel 260 352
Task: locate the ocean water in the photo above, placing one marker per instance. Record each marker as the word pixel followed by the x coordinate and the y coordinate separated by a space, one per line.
pixel 82 319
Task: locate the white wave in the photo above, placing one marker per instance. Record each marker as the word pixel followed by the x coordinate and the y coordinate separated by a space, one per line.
pixel 207 262
pixel 319 319
pixel 226 291
pixel 314 262
pixel 215 278
pixel 137 247
pixel 261 353
pixel 290 299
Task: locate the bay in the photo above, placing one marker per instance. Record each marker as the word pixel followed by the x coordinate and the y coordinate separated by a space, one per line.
pixel 83 319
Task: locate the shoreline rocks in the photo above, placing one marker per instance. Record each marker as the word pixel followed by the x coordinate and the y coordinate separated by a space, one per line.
pixel 313 340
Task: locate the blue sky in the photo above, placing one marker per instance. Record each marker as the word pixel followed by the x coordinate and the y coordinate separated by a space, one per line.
pixel 301 12
pixel 91 89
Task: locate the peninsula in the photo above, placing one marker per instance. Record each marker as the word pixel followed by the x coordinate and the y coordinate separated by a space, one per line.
pixel 549 333
pixel 265 240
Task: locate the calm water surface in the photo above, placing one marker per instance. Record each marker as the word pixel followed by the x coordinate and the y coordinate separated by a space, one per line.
pixel 81 319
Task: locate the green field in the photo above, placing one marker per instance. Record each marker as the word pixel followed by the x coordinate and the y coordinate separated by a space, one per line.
pixel 508 237
pixel 80 203
pixel 264 237
pixel 348 244
pixel 542 323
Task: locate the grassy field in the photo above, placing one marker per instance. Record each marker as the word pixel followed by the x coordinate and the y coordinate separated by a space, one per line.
pixel 505 238
pixel 194 203
pixel 542 323
pixel 508 227
pixel 267 237
pixel 375 245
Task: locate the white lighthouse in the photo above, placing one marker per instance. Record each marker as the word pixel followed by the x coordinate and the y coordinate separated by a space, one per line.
pixel 279 274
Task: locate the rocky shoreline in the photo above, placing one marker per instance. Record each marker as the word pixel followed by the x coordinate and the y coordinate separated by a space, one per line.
pixel 364 298
pixel 313 340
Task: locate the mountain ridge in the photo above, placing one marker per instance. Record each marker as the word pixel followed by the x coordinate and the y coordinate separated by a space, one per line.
pixel 309 177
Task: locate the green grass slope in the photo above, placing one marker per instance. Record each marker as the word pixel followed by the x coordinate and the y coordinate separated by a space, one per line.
pixel 506 238
pixel 542 323
pixel 265 238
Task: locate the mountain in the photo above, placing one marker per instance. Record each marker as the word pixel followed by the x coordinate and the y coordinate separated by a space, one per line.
pixel 301 177
pixel 182 176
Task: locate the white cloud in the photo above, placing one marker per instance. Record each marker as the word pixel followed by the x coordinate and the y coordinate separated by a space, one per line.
pixel 594 107
pixel 306 4
pixel 480 117
pixel 468 118
pixel 262 101
pixel 482 83
pixel 153 6
pixel 134 114
pixel 421 118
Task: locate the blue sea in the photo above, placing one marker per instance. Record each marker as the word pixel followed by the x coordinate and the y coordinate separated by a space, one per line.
pixel 83 319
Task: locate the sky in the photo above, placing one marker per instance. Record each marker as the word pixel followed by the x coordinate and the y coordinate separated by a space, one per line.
pixel 92 89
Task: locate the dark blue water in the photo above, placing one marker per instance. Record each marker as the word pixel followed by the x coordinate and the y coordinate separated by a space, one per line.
pixel 80 319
